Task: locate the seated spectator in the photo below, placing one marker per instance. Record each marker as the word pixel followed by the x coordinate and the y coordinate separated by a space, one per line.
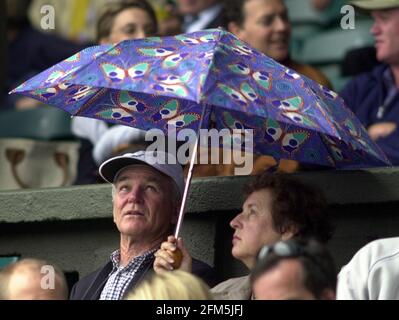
pixel 277 207
pixel 373 96
pixel 294 270
pixel 175 285
pixel 265 25
pixel 74 19
pixel 128 19
pixel 29 52
pixel 372 274
pixel 359 60
pixel 32 279
pixel 146 193
pixel 169 20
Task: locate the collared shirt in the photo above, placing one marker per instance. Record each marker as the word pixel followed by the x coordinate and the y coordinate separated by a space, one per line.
pixel 121 276
pixel 204 18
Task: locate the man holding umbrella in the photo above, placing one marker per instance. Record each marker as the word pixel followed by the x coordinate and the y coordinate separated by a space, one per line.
pixel 146 188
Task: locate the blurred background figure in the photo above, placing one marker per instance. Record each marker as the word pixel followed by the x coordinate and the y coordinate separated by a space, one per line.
pixel 169 19
pixel 75 19
pixel 29 51
pixel 200 14
pixel 175 285
pixel 32 279
pixel 265 25
pixel 123 20
pixel 373 96
pixel 372 273
pixel 126 19
pixel 294 270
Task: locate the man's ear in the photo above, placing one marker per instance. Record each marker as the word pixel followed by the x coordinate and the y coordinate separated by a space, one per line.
pixel 289 233
pixel 113 214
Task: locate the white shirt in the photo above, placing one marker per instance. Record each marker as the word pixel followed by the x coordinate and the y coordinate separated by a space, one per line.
pixel 113 137
pixel 372 274
pixel 88 128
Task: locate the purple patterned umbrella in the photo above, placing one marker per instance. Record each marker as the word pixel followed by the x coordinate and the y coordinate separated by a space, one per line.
pixel 156 82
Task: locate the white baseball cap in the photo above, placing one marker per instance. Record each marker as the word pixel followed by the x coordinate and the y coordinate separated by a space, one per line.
pixel 161 161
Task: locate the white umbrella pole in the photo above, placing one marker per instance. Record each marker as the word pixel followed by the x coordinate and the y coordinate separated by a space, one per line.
pixel 189 176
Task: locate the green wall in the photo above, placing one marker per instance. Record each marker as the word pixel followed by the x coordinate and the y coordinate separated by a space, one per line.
pixel 73 226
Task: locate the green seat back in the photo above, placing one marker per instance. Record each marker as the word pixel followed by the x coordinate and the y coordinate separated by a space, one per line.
pixel 331 46
pixel 6 260
pixel 41 123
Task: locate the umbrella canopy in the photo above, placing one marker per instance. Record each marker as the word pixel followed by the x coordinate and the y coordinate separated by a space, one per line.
pixel 160 82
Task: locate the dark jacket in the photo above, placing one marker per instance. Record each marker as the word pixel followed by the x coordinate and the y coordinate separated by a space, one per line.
pixel 90 287
pixel 364 95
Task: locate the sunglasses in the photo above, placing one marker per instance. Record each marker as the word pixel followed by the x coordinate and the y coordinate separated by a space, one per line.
pixel 292 248
pixel 283 249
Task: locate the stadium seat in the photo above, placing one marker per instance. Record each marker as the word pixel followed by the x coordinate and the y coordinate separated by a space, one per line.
pixel 331 46
pixel 37 149
pixel 42 123
pixel 8 259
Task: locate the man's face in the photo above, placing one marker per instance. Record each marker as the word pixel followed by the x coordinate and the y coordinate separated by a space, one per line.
pixel 194 6
pixel 385 30
pixel 265 27
pixel 253 227
pixel 285 281
pixel 143 206
pixel 131 23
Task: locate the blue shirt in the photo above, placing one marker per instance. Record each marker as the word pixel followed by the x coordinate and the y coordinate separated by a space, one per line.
pixel 366 94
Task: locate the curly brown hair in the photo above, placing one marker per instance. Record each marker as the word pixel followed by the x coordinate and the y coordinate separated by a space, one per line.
pixel 295 204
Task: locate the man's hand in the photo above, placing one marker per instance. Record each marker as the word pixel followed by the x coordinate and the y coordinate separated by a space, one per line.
pixel 164 256
pixel 381 130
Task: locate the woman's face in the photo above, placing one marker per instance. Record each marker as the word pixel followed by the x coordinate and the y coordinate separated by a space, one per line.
pixel 254 227
pixel 131 23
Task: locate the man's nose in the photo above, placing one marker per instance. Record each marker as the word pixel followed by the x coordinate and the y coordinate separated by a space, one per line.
pixel 280 24
pixel 135 195
pixel 375 28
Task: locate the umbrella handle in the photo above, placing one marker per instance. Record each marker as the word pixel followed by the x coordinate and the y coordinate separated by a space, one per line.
pixel 177 257
pixel 189 176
